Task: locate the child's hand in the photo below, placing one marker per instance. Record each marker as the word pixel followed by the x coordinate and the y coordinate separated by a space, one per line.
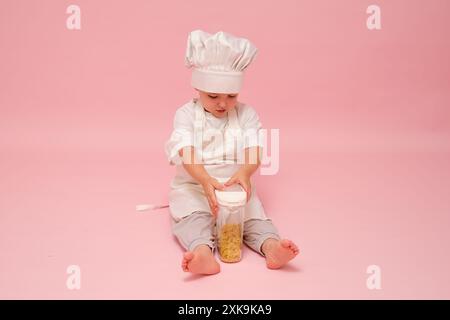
pixel 242 178
pixel 209 186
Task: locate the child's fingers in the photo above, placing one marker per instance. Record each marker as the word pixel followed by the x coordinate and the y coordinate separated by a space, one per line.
pixel 248 191
pixel 213 203
pixel 211 206
pixel 214 200
pixel 218 185
pixel 230 182
pixel 247 188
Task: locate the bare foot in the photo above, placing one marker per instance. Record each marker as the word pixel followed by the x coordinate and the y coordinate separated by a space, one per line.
pixel 200 261
pixel 278 253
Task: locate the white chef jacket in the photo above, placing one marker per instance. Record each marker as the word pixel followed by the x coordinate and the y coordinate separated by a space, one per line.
pixel 192 122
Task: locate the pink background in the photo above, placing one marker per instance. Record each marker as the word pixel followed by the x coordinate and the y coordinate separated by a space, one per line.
pixel 364 146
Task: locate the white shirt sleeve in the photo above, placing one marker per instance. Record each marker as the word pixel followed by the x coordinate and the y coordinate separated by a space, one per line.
pixel 250 126
pixel 182 134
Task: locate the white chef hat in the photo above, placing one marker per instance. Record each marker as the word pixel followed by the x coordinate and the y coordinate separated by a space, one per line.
pixel 218 60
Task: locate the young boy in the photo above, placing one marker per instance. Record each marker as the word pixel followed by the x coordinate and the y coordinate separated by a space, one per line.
pixel 201 150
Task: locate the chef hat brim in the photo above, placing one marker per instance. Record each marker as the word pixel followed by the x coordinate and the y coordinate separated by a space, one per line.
pixel 216 81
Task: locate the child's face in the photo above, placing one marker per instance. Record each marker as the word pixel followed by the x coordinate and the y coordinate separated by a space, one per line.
pixel 218 103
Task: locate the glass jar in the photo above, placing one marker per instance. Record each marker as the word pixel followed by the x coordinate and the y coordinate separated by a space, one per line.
pixel 230 222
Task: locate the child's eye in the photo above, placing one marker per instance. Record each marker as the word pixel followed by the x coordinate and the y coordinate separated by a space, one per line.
pixel 214 97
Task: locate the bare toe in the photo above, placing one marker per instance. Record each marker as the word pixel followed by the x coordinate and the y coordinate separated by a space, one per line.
pixel 289 244
pixel 200 261
pixel 278 253
pixel 286 243
pixel 187 257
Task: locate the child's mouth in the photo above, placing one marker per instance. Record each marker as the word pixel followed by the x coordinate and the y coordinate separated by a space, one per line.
pixel 221 111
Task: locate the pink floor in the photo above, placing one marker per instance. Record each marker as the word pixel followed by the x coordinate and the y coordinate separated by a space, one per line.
pixel 364 124
pixel 348 210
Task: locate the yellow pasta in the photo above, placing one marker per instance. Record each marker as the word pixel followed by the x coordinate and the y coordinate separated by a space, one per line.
pixel 230 243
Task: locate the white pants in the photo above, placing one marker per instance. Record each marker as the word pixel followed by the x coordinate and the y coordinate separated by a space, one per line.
pixel 199 228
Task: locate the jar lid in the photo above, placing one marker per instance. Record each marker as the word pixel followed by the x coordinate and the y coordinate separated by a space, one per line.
pixel 232 196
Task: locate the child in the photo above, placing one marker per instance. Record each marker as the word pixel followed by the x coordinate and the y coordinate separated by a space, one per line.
pixel 201 158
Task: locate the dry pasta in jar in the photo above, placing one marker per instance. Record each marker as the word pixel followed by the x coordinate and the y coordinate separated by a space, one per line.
pixel 230 242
